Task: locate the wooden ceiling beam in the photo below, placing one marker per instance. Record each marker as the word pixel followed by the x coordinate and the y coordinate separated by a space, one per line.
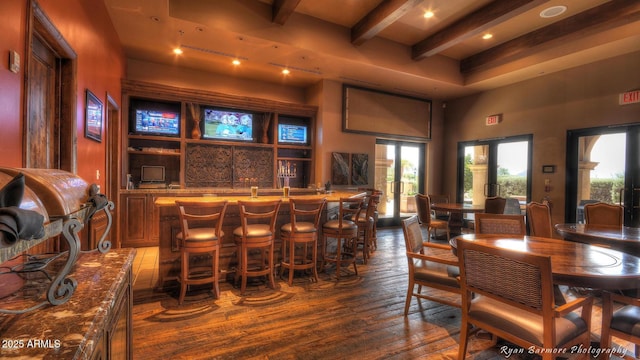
pixel 379 18
pixel 282 9
pixel 593 21
pixel 471 25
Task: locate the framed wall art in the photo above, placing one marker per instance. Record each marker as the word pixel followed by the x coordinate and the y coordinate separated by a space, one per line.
pixel 93 117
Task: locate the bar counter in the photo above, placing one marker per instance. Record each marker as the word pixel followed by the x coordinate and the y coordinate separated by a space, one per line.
pixel 169 226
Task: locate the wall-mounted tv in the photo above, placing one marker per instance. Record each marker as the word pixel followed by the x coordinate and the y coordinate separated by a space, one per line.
pixel 223 124
pixel 292 134
pixel 156 122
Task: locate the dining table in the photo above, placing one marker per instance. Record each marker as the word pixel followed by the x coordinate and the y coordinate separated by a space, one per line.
pixel 572 263
pixel 456 213
pixel 623 238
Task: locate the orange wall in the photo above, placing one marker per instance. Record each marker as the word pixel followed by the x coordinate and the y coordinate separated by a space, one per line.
pixel 85 25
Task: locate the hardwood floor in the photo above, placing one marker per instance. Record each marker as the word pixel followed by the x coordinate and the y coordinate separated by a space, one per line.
pixel 359 317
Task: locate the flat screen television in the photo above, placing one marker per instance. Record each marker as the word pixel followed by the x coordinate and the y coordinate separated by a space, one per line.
pixel 152 174
pixel 228 125
pixel 292 134
pixel 157 122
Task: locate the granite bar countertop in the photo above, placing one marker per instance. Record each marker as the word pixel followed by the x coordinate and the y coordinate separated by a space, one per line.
pixel 332 196
pixel 72 330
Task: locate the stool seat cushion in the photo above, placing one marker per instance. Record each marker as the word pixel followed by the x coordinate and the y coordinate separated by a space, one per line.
pixel 301 227
pixel 199 235
pixel 627 320
pixel 254 230
pixel 335 225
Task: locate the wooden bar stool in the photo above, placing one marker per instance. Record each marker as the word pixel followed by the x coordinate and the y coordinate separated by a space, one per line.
pixel 257 232
pixel 345 232
pixel 301 233
pixel 366 222
pixel 201 233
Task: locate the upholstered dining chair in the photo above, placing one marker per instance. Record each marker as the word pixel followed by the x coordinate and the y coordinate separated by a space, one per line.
pixel 510 295
pixel 603 214
pixel 300 237
pixel 256 234
pixel 440 199
pixel 495 205
pixel 500 224
pixel 423 205
pixel 623 322
pixel 539 219
pixel 200 234
pixel 431 265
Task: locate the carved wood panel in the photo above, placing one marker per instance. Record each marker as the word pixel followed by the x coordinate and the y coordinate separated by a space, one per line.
pixel 228 166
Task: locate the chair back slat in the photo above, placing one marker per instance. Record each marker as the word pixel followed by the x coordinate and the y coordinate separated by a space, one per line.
pixel 539 219
pixel 500 224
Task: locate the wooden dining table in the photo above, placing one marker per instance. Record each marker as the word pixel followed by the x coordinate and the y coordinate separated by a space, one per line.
pixel 572 263
pixel 456 213
pixel 624 238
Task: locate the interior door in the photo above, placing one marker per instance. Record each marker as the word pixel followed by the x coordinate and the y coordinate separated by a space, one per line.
pixel 494 167
pixel 400 175
pixel 603 164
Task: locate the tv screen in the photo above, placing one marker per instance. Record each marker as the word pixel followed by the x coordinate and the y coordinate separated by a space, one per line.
pixel 157 122
pixel 152 174
pixel 292 134
pixel 228 125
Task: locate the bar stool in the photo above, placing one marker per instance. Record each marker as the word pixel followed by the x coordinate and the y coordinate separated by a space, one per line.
pixel 201 233
pixel 301 233
pixel 345 231
pixel 257 232
pixel 366 222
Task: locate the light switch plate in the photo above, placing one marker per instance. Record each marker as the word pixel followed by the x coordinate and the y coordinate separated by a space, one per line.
pixel 14 61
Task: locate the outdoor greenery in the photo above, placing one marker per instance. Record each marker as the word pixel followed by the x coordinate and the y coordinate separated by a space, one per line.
pixel 607 190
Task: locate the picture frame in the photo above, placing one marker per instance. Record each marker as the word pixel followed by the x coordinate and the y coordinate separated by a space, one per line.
pixel 93 117
pixel 548 169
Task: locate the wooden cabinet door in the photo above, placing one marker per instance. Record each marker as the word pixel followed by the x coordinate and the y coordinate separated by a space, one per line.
pixel 135 229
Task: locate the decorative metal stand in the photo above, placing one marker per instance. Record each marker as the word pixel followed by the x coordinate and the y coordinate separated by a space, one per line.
pixel 286 171
pixel 62 286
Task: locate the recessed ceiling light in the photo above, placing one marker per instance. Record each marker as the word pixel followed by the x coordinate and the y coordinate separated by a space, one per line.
pixel 178 51
pixel 236 62
pixel 428 14
pixel 286 71
pixel 487 36
pixel 553 11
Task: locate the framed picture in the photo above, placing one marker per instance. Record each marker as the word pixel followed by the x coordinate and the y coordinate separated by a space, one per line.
pixel 93 117
pixel 548 169
pixel 359 169
pixel 340 168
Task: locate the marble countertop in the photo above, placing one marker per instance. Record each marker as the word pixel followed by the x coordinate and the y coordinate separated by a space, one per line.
pixel 74 329
pixel 332 196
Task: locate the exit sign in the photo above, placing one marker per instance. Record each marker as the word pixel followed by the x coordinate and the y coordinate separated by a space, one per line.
pixel 630 97
pixel 493 119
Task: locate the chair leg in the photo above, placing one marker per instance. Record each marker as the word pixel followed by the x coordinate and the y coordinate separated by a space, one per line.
pixel 314 256
pixel 292 253
pixel 464 337
pixel 243 275
pixel 270 262
pixel 215 257
pixel 407 302
pixel 184 275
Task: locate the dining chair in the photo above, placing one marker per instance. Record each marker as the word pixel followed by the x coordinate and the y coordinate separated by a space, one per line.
pixel 539 219
pixel 439 199
pixel 495 205
pixel 430 265
pixel 345 232
pixel 423 206
pixel 500 224
pixel 603 214
pixel 509 294
pixel 256 233
pixel 623 323
pixel 301 233
pixel 200 234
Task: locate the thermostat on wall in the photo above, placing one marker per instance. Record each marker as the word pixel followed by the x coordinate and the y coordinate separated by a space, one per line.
pixel 14 61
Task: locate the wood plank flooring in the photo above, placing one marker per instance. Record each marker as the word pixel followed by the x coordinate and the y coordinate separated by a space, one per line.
pixel 359 317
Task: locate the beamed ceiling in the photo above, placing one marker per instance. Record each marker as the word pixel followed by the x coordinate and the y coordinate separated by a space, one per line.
pixel 379 44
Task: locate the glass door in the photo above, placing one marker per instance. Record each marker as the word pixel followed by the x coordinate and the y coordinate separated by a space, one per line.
pixel 495 167
pixel 603 165
pixel 400 176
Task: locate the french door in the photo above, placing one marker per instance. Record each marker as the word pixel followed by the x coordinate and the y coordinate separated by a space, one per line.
pixel 603 164
pixel 400 176
pixel 494 167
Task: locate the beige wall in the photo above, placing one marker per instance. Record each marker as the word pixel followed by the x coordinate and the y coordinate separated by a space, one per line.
pixel 546 107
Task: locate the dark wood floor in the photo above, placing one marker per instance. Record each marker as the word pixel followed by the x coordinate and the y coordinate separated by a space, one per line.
pixel 359 317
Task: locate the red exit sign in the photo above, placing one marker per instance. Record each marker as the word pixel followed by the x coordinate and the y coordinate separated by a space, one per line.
pixel 493 119
pixel 630 97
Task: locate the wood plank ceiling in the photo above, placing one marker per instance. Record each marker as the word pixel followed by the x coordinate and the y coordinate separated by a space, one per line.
pixel 386 44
